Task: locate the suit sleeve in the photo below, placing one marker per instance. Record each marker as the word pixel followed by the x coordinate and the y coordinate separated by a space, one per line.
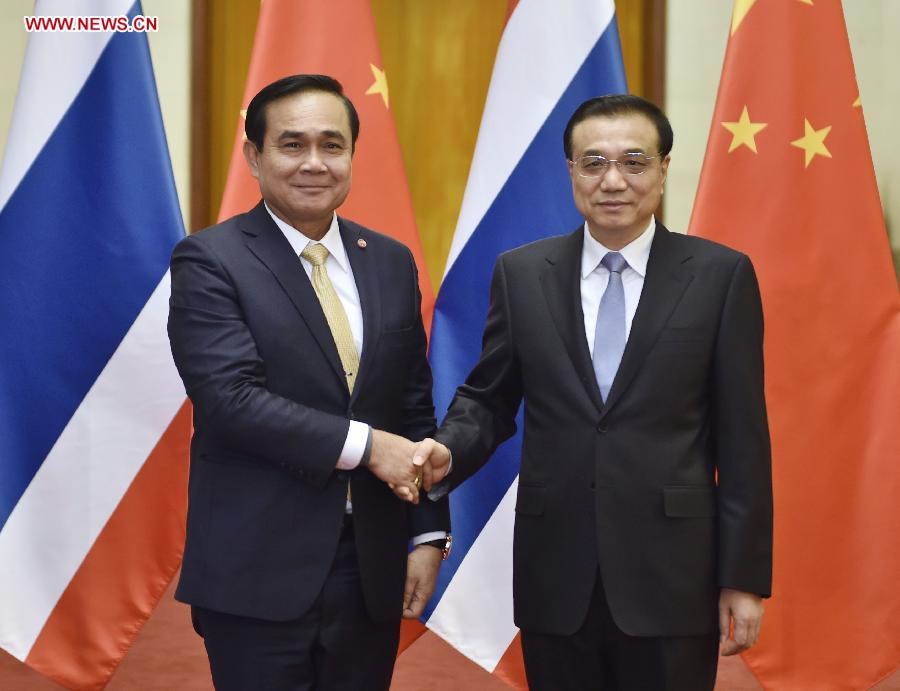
pixel 418 405
pixel 483 411
pixel 225 377
pixel 743 453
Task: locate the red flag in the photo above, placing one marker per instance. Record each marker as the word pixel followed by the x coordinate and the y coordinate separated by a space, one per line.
pixel 788 179
pixel 336 38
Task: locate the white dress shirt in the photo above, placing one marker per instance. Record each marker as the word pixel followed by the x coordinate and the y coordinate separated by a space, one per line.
pixel 341 275
pixel 595 277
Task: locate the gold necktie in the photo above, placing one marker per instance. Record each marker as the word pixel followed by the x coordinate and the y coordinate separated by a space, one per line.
pixel 335 315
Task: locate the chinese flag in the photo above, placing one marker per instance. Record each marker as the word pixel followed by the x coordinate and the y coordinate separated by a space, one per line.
pixel 788 179
pixel 336 38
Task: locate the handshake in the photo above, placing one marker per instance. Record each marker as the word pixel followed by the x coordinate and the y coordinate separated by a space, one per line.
pixel 407 466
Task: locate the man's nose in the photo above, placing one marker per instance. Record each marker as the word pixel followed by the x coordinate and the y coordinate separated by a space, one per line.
pixel 613 178
pixel 313 161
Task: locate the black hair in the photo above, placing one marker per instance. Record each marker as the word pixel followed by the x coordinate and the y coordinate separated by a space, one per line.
pixel 620 104
pixel 255 121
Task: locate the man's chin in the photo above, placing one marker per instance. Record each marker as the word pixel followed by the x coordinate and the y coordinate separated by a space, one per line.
pixel 304 195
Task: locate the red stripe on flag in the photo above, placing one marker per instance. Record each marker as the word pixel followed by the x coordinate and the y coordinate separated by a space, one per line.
pixel 125 573
pixel 510 8
pixel 511 668
pixel 410 631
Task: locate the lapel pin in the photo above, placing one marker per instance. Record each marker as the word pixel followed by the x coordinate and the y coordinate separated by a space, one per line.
pixel 361 243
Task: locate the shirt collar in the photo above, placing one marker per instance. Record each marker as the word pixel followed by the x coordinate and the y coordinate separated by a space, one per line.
pixel 636 252
pixel 299 241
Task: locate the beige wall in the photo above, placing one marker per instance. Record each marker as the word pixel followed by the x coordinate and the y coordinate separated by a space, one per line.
pixel 696 38
pixel 12 49
pixel 873 26
pixel 170 51
pixel 694 65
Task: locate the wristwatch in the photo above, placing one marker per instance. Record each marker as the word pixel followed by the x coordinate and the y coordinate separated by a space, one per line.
pixel 443 544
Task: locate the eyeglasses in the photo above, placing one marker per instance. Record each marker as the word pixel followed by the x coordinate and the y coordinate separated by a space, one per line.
pixel 597 166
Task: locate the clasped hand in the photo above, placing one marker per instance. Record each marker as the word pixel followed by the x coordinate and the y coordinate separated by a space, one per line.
pixel 407 466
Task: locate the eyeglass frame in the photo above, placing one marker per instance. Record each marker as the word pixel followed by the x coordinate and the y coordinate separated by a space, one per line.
pixel 605 169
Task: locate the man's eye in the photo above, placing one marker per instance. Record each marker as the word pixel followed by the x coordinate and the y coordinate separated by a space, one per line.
pixel 290 145
pixel 594 162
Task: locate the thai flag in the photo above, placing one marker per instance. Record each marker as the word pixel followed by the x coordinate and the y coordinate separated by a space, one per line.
pixel 93 421
pixel 552 57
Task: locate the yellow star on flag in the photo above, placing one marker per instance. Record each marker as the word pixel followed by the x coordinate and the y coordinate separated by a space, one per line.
pixel 379 86
pixel 857 103
pixel 812 142
pixel 744 132
pixel 807 2
pixel 741 8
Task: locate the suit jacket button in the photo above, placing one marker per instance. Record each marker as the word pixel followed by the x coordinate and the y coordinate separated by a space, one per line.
pixel 602 429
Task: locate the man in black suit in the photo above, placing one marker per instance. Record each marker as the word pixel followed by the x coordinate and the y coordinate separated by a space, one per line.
pixel 644 510
pixel 299 338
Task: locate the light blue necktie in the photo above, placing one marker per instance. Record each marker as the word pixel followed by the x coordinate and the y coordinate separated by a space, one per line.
pixel 609 335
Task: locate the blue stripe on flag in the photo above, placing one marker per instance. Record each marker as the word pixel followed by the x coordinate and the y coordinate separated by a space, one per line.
pixel 84 240
pixel 535 202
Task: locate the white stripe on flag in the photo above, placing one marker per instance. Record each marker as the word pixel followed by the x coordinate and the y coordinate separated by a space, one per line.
pixel 474 619
pixel 542 48
pixel 86 474
pixel 42 101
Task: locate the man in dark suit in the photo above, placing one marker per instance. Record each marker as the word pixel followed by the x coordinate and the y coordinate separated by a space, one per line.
pixel 300 341
pixel 644 510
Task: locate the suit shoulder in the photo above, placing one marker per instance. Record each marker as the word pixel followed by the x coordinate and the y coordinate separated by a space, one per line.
pixel 384 242
pixel 709 250
pixel 536 250
pixel 219 233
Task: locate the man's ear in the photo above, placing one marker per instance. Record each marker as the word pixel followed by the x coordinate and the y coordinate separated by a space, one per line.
pixel 664 169
pixel 251 155
pixel 572 173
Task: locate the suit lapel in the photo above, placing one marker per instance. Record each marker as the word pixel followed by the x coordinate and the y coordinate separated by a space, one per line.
pixel 364 263
pixel 561 283
pixel 266 241
pixel 668 275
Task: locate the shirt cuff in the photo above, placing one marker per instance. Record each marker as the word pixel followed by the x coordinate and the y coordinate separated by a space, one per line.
pixel 428 537
pixel 354 446
pixel 439 491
